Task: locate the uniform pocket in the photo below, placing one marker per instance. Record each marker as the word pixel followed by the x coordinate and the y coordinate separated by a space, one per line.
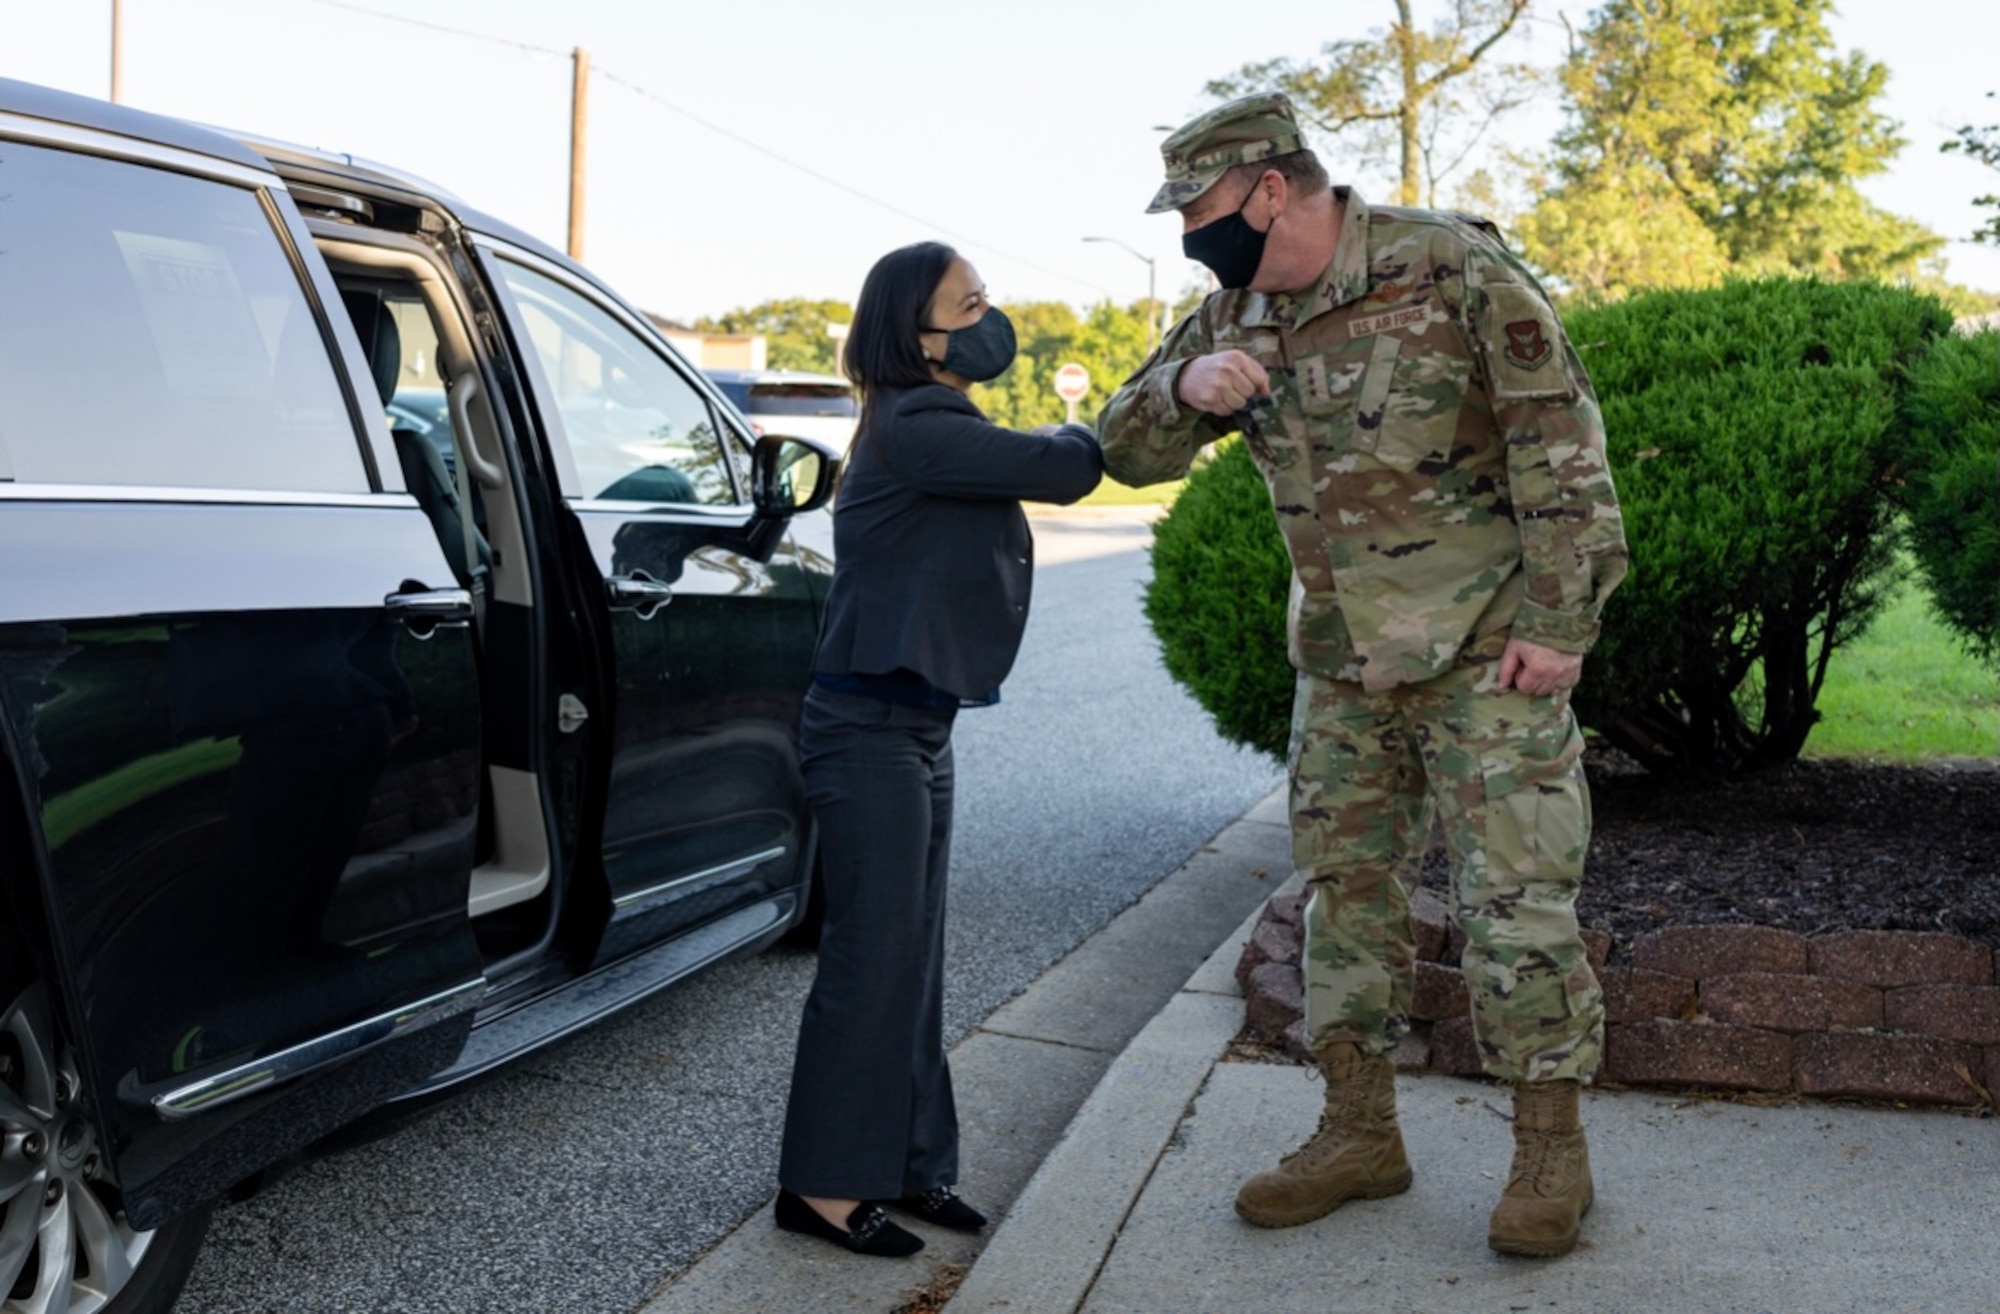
pixel 1422 392
pixel 1537 805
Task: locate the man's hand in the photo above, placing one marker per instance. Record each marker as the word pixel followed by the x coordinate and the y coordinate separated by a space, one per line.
pixel 1222 384
pixel 1536 670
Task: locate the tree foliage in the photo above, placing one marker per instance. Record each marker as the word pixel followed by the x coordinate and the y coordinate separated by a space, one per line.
pixel 1982 145
pixel 1950 490
pixel 794 329
pixel 1429 94
pixel 1109 341
pixel 1707 138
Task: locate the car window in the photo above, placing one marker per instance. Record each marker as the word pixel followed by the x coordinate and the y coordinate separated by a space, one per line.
pixel 827 400
pixel 155 332
pixel 420 400
pixel 637 429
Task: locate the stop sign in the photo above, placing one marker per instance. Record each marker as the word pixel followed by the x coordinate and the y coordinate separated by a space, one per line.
pixel 1072 382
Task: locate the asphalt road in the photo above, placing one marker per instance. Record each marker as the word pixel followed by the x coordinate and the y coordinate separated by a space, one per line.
pixel 584 1177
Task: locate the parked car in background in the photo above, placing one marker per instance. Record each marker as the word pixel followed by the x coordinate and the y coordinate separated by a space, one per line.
pixel 793 404
pixel 401 650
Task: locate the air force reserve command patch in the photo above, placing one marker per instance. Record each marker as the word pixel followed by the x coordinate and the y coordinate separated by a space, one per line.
pixel 1526 346
pixel 1522 345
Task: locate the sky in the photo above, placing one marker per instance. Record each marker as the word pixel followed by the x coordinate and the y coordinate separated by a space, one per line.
pixel 741 150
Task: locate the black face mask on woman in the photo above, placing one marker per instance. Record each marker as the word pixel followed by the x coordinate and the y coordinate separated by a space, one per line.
pixel 1229 246
pixel 981 351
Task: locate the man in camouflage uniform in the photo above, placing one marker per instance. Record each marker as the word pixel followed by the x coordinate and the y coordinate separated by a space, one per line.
pixel 1436 460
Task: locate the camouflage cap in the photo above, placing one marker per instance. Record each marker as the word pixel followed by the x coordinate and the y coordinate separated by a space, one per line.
pixel 1241 132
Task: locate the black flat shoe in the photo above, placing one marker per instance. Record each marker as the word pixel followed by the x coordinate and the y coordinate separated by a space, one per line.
pixel 869 1231
pixel 942 1206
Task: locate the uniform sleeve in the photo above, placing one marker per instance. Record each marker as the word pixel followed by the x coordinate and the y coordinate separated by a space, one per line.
pixel 1572 535
pixel 1147 435
pixel 950 450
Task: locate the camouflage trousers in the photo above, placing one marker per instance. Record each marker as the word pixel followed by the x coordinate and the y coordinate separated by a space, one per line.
pixel 1504 772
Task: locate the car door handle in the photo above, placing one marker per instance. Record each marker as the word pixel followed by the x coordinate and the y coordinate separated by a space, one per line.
pixel 435 606
pixel 638 592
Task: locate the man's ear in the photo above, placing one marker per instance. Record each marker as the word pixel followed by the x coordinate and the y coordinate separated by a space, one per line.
pixel 1279 188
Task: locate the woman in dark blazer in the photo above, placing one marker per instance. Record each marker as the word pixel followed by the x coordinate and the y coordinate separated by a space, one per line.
pixel 932 567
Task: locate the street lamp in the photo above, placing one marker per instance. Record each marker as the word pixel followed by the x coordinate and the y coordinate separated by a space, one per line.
pixel 1152 301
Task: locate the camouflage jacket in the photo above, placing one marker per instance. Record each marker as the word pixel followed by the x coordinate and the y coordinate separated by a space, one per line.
pixel 1435 452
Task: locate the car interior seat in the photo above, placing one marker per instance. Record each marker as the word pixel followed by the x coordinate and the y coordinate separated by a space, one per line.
pixel 424 472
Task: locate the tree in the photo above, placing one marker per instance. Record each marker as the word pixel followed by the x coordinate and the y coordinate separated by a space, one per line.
pixel 1428 92
pixel 1110 342
pixel 1983 146
pixel 794 330
pixel 1716 137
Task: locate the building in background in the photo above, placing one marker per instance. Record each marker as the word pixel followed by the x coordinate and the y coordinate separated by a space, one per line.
pixel 714 351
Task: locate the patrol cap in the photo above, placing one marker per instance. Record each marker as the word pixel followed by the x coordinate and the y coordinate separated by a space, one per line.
pixel 1243 131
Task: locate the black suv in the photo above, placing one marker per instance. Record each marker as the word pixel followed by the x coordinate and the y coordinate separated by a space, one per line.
pixel 349 745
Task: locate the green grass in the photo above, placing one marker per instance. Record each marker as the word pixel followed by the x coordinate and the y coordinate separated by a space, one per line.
pixel 1113 493
pixel 1905 691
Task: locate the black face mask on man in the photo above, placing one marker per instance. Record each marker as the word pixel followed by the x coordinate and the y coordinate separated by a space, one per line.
pixel 981 351
pixel 1229 246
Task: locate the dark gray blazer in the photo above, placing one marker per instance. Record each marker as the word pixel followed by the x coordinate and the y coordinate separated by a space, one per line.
pixel 933 561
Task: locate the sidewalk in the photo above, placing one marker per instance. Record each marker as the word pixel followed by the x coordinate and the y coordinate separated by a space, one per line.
pixel 1702 1207
pixel 1020 1077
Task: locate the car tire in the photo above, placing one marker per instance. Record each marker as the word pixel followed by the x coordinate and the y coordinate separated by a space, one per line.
pixel 52 1172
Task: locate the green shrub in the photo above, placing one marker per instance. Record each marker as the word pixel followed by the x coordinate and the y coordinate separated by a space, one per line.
pixel 1952 488
pixel 1753 432
pixel 1217 599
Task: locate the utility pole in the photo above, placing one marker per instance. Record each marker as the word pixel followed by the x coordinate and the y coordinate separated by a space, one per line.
pixel 1152 301
pixel 117 51
pixel 579 126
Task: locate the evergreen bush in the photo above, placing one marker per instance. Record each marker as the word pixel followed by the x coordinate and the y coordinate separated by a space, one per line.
pixel 1951 489
pixel 1217 599
pixel 1754 433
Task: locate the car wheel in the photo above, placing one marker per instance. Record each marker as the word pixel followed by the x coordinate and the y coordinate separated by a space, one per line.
pixel 65 1243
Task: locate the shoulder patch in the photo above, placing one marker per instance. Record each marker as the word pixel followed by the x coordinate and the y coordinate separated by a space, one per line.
pixel 1522 346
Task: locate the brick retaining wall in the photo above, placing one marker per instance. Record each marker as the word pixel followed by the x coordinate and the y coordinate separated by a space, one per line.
pixel 1909 1016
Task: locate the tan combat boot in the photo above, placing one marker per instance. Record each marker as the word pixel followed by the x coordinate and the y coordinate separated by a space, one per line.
pixel 1357 1153
pixel 1549 1188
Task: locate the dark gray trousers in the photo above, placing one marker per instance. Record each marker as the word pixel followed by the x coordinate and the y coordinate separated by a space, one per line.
pixel 871 1114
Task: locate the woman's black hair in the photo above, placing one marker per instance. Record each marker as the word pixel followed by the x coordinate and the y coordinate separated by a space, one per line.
pixel 882 348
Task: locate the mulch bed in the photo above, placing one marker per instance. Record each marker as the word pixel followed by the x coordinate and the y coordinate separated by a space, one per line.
pixel 1814 846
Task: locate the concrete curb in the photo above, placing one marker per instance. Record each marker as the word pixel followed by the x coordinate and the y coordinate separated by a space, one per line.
pixel 1048 1251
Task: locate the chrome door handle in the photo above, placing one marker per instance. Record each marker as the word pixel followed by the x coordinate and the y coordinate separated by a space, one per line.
pixel 638 592
pixel 438 606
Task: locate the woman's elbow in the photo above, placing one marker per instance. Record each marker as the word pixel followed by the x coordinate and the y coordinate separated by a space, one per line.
pixel 1083 477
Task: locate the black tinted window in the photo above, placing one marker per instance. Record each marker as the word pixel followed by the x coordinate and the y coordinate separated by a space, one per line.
pixel 816 399
pixel 152 331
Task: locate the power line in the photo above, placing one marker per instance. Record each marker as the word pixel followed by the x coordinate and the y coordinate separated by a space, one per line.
pixel 729 133
pixel 855 192
pixel 440 27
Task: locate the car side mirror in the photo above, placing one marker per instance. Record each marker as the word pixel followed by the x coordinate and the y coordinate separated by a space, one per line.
pixel 790 475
